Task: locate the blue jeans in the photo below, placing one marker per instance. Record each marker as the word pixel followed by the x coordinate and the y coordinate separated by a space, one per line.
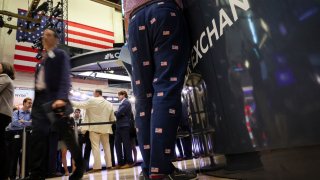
pixel 159 46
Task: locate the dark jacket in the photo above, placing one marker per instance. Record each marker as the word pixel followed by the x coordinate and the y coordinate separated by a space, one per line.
pixel 123 114
pixel 57 75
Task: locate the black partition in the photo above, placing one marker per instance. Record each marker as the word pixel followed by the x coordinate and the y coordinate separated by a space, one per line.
pixel 260 61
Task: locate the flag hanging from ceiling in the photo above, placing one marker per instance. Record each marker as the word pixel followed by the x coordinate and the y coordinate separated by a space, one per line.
pixel 78 35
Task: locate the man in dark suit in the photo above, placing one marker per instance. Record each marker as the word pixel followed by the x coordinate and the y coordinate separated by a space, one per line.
pixel 52 85
pixel 123 116
pixel 83 137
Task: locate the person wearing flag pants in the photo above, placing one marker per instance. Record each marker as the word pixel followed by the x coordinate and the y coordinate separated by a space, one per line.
pixel 159 45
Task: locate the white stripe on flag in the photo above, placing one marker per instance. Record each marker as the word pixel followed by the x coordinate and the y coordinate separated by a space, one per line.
pixel 90 32
pixel 25 63
pixel 27 44
pixel 90 40
pixel 25 53
pixel 84 46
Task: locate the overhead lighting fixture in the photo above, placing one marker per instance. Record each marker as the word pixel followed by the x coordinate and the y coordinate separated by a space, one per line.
pixel 1 22
pixel 10 31
pixel 9 18
pixel 107 76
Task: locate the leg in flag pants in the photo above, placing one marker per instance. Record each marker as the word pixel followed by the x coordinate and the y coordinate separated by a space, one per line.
pixel 159 47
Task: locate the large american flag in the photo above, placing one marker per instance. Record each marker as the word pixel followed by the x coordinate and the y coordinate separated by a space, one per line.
pixel 78 35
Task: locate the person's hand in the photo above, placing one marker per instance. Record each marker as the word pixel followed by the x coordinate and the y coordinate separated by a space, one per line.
pixel 58 104
pixel 21 121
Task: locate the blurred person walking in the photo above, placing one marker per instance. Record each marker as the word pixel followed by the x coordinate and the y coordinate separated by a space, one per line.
pixel 52 85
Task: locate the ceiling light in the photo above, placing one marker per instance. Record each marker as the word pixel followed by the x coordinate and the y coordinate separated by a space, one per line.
pixel 107 76
pixel 1 22
pixel 10 31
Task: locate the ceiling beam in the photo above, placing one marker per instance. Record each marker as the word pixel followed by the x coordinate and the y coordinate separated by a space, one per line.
pixel 109 3
pixel 11 14
pixel 20 28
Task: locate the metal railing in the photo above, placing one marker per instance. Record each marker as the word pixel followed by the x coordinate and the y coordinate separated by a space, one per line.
pixel 24 142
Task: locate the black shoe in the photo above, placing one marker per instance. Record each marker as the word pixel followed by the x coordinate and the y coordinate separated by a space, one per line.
pixel 143 176
pixel 33 178
pixel 76 175
pixel 181 175
pixel 53 175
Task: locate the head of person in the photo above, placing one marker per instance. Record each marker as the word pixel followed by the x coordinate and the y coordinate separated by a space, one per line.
pixel 77 113
pixel 122 95
pixel 15 108
pixel 97 93
pixel 27 103
pixel 8 69
pixel 50 38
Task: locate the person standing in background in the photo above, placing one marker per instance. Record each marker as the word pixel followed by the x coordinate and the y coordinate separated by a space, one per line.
pixel 133 138
pixel 83 137
pixel 122 138
pixel 7 75
pixel 159 45
pixel 20 119
pixel 98 110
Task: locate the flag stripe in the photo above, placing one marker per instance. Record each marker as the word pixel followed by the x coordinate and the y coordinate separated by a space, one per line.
pixel 89 36
pixel 83 46
pixel 24 68
pixel 25 48
pixel 90 28
pixel 87 43
pixel 25 53
pixel 89 40
pixel 26 58
pixel 90 32
pixel 25 63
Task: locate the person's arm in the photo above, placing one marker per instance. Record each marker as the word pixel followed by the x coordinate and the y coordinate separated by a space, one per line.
pixel 123 109
pixel 82 104
pixel 63 61
pixel 112 117
pixel 15 118
pixel 4 81
pixel 64 84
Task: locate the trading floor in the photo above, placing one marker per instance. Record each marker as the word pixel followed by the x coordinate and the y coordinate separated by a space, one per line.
pixel 133 173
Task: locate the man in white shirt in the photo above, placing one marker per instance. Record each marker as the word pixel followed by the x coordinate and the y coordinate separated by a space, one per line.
pixel 98 110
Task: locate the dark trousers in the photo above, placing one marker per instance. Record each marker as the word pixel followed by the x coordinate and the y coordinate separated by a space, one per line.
pixel 111 140
pixel 123 138
pixel 40 142
pixel 84 139
pixel 4 122
pixel 52 153
pixel 14 140
pixel 160 47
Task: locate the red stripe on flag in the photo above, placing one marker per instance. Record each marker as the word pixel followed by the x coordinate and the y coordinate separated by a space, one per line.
pixel 90 36
pixel 90 28
pixel 88 43
pixel 24 48
pixel 26 58
pixel 24 68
